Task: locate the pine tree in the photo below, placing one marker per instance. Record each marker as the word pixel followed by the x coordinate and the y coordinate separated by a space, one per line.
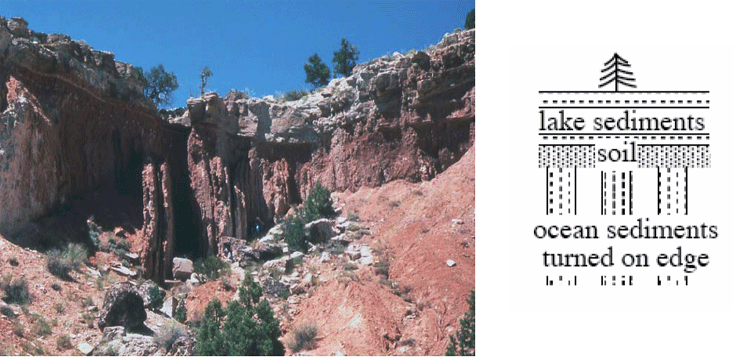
pixel 180 314
pixel 205 73
pixel 618 75
pixel 160 85
pixel 318 73
pixel 294 234
pixel 345 58
pixel 318 204
pixel 249 327
pixel 469 23
pixel 210 340
pixel 462 343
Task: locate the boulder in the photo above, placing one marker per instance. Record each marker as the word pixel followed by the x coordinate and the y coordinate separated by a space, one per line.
pixel 353 254
pixel 182 268
pixel 119 269
pixel 325 257
pixel 169 306
pixel 183 346
pixel 450 263
pixel 144 289
pixel 241 252
pixel 274 288
pixel 123 306
pixel 18 27
pixel 268 251
pixel 267 239
pixel 366 254
pixel 343 239
pixel 116 342
pixel 85 348
pixel 320 230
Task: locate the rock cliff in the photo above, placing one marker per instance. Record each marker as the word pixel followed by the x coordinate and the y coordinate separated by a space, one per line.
pixel 73 122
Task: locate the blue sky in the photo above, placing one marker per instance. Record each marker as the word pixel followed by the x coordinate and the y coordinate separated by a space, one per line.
pixel 256 45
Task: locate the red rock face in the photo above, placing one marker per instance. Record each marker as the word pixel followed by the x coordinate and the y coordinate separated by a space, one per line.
pixel 158 222
pixel 73 121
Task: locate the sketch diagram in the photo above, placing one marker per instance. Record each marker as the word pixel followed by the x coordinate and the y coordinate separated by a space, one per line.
pixel 620 135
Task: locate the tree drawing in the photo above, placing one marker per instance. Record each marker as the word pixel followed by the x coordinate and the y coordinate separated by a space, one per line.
pixel 617 73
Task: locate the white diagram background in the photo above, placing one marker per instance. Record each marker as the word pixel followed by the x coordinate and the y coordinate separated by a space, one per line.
pixel 526 47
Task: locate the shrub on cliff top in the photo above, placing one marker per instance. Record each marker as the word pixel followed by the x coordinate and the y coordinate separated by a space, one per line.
pixel 294 94
pixel 159 85
pixel 345 58
pixel 469 23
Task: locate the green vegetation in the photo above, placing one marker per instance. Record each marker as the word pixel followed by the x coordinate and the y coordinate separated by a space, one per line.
pixel 63 342
pixel 158 85
pixel 246 327
pixel 318 73
pixel 94 230
pixel 117 246
pixel 213 267
pixel 7 311
pixel 294 94
pixel 462 343
pixel 16 291
pixel 40 326
pixel 61 262
pixel 205 74
pixel 345 58
pixel 318 204
pixel 294 232
pixel 304 338
pixel 180 314
pixel 469 23
pixel 154 295
pixel 18 328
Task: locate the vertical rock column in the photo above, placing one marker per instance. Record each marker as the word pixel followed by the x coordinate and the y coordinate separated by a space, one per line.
pixel 158 222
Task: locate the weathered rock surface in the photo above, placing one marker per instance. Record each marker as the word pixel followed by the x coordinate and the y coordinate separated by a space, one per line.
pixel 407 117
pixel 320 230
pixel 241 252
pixel 182 268
pixel 74 120
pixel 145 290
pixel 116 342
pixel 122 306
pixel 183 346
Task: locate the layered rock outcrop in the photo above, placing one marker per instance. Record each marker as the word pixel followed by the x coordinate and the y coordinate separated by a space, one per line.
pixel 397 117
pixel 73 120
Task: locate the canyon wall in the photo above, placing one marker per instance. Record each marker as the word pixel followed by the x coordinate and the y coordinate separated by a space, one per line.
pixel 74 120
